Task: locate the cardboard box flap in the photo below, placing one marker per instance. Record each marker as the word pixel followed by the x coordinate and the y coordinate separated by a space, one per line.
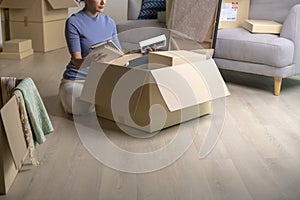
pixel 59 4
pixel 14 131
pixel 186 85
pixel 16 3
pixel 95 73
pixel 55 4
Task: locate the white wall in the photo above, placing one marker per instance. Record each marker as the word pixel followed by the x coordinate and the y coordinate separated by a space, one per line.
pixel 75 9
pixel 117 10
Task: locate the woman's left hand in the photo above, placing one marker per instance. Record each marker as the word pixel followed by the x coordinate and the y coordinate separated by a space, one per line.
pixel 151 49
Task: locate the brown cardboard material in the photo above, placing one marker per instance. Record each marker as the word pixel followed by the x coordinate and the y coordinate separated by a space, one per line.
pixel 168 10
pixel 17 45
pixel 160 86
pixel 42 21
pixel 8 170
pixel 14 131
pixel 16 55
pixel 233 13
pixel 173 58
pixel 262 26
pixel 45 36
pixel 37 10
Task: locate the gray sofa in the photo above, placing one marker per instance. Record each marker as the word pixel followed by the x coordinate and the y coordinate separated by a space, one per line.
pixel 271 55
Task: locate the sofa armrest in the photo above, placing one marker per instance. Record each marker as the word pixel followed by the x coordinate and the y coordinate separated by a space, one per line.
pixel 291 30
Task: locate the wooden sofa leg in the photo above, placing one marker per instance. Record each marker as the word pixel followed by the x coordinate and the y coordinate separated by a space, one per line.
pixel 277 85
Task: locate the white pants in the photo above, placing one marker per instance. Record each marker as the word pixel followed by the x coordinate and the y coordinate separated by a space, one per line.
pixel 69 93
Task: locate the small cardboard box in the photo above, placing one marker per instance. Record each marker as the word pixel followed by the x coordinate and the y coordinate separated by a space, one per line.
pixel 45 36
pixel 233 13
pixel 11 134
pixel 37 10
pixel 262 26
pixel 16 55
pixel 173 58
pixel 151 99
pixel 17 45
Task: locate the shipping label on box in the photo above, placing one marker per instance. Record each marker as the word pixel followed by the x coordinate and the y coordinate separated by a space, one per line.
pixel 233 13
pixel 229 11
pixel 152 99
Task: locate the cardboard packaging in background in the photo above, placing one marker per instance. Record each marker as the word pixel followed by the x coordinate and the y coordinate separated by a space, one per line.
pixel 262 26
pixel 37 10
pixel 233 13
pixel 42 21
pixel 152 92
pixel 16 49
pixel 46 36
pixel 16 55
pixel 17 45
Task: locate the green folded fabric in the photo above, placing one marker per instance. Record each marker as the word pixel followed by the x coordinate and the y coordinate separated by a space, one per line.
pixel 37 113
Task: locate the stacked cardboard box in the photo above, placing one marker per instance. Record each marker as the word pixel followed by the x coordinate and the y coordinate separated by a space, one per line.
pixel 42 21
pixel 16 49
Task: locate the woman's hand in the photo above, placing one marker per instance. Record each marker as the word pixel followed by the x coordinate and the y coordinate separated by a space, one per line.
pixel 150 49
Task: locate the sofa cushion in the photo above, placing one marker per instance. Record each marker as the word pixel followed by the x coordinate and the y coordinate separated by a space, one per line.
pixel 241 45
pixel 150 8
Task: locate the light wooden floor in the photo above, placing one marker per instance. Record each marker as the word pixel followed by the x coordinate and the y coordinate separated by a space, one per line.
pixel 256 157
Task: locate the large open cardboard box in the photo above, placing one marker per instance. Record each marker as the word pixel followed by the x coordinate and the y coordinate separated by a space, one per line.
pixel 42 21
pixel 233 13
pixel 152 99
